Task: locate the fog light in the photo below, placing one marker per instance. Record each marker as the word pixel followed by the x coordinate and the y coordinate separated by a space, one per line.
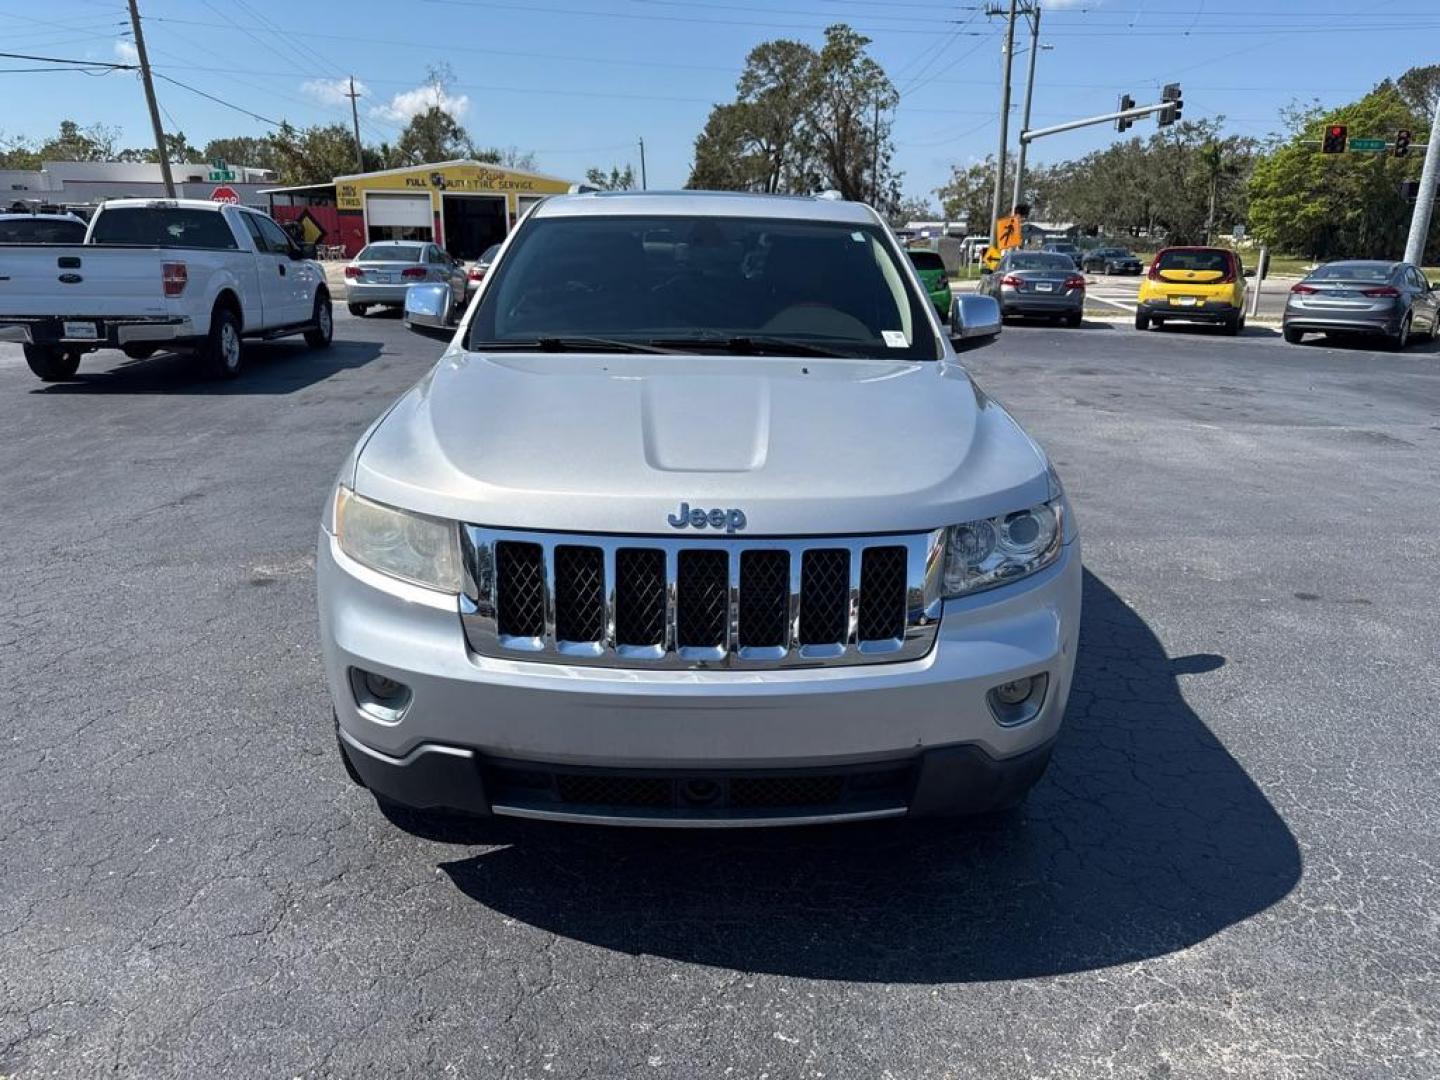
pixel 1017 701
pixel 385 689
pixel 1013 693
pixel 379 696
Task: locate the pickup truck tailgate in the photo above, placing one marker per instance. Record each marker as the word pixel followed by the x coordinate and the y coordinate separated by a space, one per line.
pixel 81 280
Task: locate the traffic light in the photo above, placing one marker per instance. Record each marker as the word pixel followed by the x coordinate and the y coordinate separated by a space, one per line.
pixel 1173 104
pixel 1335 139
pixel 1124 123
pixel 1402 142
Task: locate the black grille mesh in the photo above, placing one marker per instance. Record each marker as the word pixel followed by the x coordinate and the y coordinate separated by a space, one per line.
pixel 579 593
pixel 520 589
pixel 702 598
pixel 639 596
pixel 882 593
pixel 600 789
pixel 824 596
pixel 764 598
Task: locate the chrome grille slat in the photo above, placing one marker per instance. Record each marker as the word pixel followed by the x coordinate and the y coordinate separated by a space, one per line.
pixel 684 604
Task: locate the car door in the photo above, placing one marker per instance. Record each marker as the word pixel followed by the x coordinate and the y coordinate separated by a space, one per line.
pixel 272 269
pixel 296 276
pixel 1426 304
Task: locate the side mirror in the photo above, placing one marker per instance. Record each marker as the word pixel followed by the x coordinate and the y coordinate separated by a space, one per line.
pixel 974 318
pixel 428 308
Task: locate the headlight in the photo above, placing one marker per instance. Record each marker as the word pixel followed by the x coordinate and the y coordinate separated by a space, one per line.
pixel 420 549
pixel 992 551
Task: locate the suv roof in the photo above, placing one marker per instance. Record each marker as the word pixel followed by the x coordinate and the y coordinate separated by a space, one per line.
pixel 707 204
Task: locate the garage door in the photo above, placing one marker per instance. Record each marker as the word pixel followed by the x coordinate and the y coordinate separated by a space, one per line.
pixel 406 211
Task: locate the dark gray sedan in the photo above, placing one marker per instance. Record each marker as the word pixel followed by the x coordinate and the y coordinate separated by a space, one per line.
pixel 1391 299
pixel 1038 283
pixel 1109 260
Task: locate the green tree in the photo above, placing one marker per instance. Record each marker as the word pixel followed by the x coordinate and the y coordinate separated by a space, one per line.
pixel 74 143
pixel 804 120
pixel 1337 205
pixel 258 153
pixel 318 154
pixel 17 152
pixel 617 179
pixel 1419 88
pixel 432 136
pixel 913 208
pixel 967 197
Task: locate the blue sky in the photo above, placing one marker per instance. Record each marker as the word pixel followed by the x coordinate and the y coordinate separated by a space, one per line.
pixel 578 81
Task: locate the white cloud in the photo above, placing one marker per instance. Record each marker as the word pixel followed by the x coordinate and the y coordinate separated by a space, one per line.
pixel 410 103
pixel 126 52
pixel 330 91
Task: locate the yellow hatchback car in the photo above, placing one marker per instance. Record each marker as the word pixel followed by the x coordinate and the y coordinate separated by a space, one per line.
pixel 1193 284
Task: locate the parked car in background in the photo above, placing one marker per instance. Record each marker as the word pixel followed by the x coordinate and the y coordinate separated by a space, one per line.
pixel 41 229
pixel 629 555
pixel 1392 299
pixel 186 274
pixel 1037 283
pixel 479 269
pixel 384 269
pixel 1063 247
pixel 1193 284
pixel 1110 260
pixel 931 269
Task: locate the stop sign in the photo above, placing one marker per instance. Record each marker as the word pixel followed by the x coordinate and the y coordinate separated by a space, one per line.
pixel 225 193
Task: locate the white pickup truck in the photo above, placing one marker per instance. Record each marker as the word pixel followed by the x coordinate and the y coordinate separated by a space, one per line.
pixel 181 274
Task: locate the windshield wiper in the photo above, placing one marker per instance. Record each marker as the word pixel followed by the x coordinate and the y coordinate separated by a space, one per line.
pixel 751 346
pixel 566 344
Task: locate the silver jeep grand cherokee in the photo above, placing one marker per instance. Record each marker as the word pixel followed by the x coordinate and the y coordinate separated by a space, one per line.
pixel 699 521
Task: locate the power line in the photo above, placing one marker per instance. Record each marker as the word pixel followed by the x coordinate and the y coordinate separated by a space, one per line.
pixel 63 60
pixel 218 100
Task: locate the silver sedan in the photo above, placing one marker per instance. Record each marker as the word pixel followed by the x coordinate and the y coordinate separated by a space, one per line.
pixel 383 270
pixel 1391 299
pixel 1037 283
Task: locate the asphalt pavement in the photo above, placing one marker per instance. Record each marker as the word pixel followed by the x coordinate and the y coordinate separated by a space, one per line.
pixel 1229 871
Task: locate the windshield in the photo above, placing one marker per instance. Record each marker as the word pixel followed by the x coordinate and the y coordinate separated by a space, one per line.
pixel 825 287
pixel 1354 271
pixel 488 256
pixel 927 260
pixel 41 231
pixel 1040 260
pixel 1202 260
pixel 389 253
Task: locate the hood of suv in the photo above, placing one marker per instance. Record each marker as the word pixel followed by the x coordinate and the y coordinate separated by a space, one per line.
pixel 617 442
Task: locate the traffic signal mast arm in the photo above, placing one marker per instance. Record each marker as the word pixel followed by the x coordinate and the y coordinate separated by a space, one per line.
pixel 1104 118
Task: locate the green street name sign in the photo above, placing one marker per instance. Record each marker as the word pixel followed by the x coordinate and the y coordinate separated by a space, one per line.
pixel 1367 144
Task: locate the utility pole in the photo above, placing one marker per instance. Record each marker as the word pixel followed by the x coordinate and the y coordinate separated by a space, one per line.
pixel 355 119
pixel 1425 203
pixel 643 185
pixel 160 148
pixel 875 161
pixel 1005 56
pixel 1033 11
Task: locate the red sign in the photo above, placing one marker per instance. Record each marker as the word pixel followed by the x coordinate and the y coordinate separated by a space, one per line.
pixel 225 193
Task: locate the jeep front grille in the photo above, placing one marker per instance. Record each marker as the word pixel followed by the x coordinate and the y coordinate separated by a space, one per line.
pixel 701 603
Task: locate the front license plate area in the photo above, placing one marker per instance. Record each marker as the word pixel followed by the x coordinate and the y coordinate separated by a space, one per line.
pixel 79 331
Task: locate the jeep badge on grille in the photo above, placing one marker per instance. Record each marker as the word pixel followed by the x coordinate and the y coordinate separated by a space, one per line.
pixel 731 520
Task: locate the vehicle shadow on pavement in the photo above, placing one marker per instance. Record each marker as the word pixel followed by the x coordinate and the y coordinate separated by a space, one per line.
pixel 1146 836
pixel 271 367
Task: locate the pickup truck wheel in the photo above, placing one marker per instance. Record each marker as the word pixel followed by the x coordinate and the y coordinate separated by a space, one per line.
pixel 139 352
pixel 324 319
pixel 220 355
pixel 358 310
pixel 51 363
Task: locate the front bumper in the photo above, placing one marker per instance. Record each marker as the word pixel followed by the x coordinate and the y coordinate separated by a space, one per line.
pixel 467 712
pixel 1209 311
pixel 110 333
